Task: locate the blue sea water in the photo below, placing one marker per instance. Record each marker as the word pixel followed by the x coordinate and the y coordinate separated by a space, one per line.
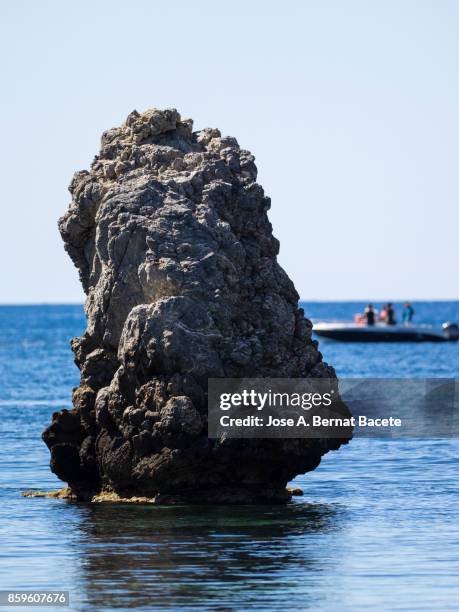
pixel 376 528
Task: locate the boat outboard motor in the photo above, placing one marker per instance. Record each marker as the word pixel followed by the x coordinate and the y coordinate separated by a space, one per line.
pixel 450 330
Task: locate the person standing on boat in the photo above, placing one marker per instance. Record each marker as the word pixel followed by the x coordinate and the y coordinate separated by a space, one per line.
pixel 370 315
pixel 390 314
pixel 408 313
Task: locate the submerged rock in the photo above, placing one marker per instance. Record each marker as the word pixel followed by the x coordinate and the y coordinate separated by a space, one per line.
pixel 170 234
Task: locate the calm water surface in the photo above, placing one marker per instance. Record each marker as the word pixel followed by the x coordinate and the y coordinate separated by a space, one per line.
pixel 377 527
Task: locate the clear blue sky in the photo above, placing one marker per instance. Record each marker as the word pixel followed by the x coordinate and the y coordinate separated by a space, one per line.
pixel 351 109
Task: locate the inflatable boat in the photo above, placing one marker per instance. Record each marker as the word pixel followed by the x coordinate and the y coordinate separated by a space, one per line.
pixel 381 332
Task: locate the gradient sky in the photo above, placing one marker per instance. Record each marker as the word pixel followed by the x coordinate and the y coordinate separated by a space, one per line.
pixel 351 109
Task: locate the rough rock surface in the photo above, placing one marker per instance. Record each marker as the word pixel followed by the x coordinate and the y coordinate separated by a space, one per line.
pixel 170 234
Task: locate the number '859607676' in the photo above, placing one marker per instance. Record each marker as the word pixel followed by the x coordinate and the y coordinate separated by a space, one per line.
pixel 34 598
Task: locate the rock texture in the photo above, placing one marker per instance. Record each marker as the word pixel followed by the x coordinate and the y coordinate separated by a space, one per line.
pixel 170 234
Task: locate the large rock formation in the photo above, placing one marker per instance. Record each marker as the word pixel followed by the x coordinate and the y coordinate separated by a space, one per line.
pixel 170 234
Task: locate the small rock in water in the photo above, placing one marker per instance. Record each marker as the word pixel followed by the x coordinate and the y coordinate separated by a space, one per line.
pixel 170 234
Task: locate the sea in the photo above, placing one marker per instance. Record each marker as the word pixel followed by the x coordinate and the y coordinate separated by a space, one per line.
pixel 376 528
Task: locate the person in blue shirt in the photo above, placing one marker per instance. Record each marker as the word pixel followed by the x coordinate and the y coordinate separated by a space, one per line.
pixel 407 315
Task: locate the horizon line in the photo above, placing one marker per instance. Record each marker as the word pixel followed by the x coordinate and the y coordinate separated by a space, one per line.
pixel 311 301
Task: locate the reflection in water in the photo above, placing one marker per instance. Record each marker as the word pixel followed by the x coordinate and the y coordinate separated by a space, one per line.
pixel 183 556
